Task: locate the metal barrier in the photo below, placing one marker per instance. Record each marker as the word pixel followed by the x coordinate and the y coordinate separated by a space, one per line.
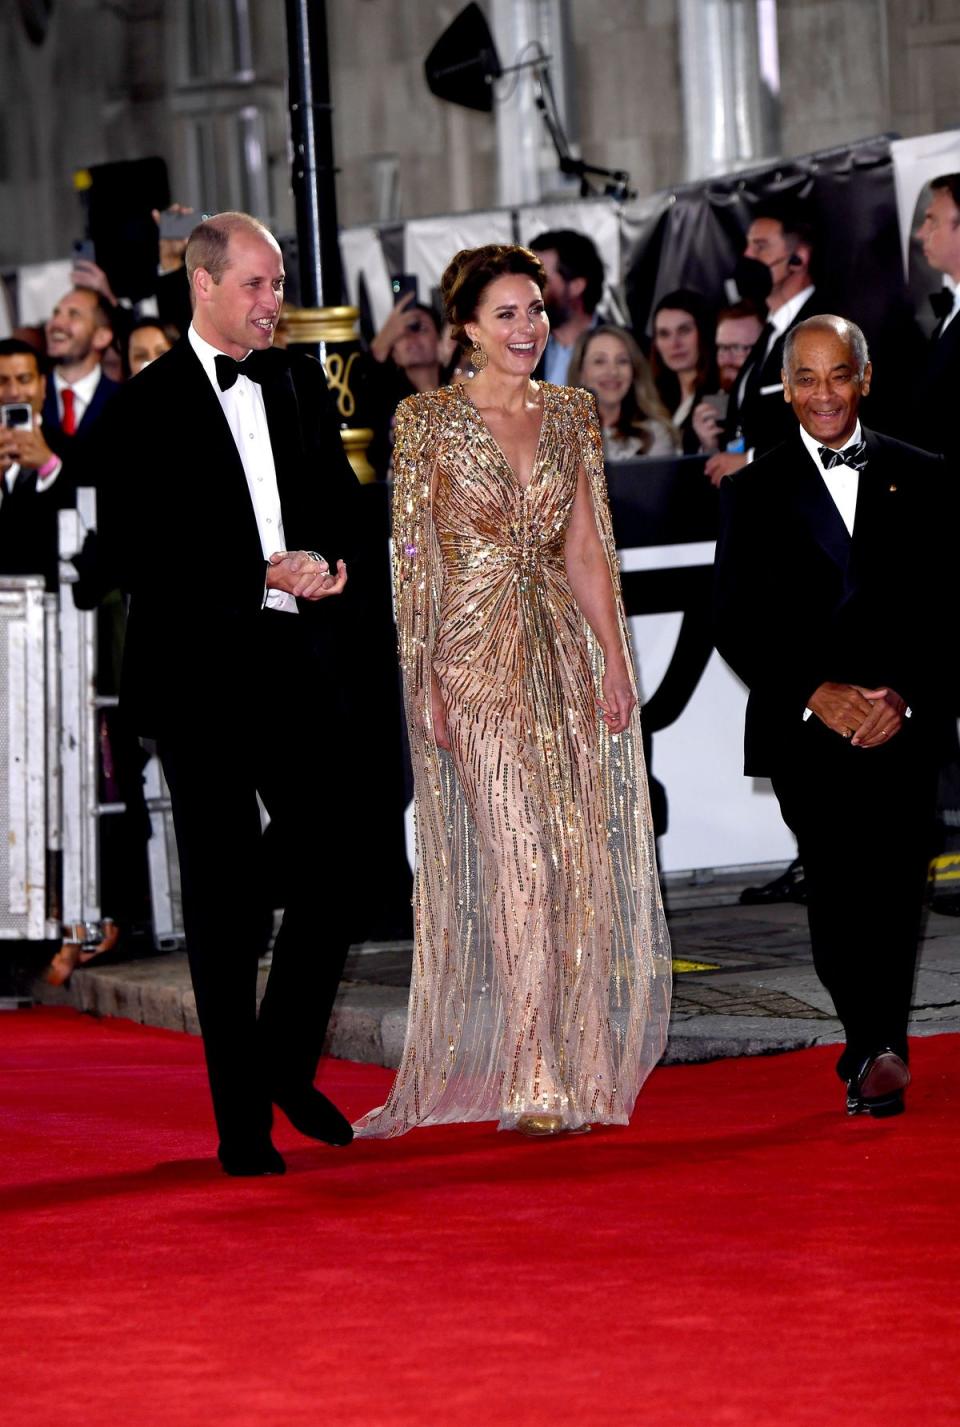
pixel 49 765
pixel 28 763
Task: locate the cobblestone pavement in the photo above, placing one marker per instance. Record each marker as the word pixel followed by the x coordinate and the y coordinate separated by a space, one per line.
pixel 744 986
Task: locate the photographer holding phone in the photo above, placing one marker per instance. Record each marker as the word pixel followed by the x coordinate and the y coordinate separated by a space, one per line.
pixel 32 484
pixel 406 360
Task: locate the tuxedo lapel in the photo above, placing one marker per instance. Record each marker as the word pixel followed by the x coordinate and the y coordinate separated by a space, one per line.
pixel 283 422
pixel 878 499
pixel 817 509
pixel 944 349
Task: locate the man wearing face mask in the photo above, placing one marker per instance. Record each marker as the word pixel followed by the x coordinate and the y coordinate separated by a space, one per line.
pixel 774 270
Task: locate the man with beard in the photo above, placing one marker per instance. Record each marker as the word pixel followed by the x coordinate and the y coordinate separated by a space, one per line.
pixel 572 295
pixel 78 333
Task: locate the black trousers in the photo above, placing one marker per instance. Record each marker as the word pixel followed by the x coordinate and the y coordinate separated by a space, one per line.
pixel 282 735
pixel 864 823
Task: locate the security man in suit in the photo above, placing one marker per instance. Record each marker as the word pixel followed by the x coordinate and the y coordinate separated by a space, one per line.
pixel 831 565
pixel 779 251
pixel 935 416
pixel 227 510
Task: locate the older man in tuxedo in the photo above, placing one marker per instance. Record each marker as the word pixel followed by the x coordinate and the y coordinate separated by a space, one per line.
pixel 228 507
pixel 831 566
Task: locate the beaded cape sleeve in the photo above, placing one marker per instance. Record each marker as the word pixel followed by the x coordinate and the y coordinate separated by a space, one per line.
pixel 614 944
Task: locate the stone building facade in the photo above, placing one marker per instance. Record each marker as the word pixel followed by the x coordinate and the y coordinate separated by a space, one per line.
pixel 201 82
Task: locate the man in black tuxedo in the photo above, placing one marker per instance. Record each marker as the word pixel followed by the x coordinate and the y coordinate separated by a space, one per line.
pixel 34 482
pixel 831 565
pixel 935 413
pixel 224 476
pixel 78 333
pixel 779 249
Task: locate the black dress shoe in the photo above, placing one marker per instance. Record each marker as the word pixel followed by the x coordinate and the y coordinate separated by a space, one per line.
pixel 877 1088
pixel 315 1116
pixel 790 886
pixel 249 1162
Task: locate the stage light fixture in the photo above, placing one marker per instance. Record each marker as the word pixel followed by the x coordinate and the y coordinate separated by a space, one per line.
pixel 464 62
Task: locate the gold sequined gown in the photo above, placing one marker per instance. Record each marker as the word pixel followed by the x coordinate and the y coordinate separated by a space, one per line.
pixel 541 968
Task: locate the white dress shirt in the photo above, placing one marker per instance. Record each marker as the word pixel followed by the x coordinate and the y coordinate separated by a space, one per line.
pixel 843 482
pixel 83 391
pixel 247 418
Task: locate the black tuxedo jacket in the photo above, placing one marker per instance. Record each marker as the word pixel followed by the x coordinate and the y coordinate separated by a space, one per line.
pixel 764 417
pixel 935 399
pixel 104 392
pixel 799 602
pixel 178 531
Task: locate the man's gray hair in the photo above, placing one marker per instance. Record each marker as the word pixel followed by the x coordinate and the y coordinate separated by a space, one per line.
pixel 847 331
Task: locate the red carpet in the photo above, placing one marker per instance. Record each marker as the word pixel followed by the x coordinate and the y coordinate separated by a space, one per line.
pixel 743 1254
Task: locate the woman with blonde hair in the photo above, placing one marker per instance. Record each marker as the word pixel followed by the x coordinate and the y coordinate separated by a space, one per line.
pixel 634 420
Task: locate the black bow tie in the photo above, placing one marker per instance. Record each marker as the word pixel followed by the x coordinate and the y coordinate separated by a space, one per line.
pixel 942 303
pixel 854 456
pixel 255 365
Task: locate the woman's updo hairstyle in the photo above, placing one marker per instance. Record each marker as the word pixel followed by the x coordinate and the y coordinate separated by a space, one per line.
pixel 473 270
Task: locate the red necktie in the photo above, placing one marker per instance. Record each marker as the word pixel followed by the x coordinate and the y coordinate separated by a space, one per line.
pixel 69 423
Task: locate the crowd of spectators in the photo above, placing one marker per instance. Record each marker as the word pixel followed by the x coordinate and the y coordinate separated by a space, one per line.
pixel 702 383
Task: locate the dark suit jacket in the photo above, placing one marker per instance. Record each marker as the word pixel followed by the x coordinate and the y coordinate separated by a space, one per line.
pixel 798 602
pixel 29 527
pixel 766 419
pixel 53 432
pixel 935 398
pixel 179 534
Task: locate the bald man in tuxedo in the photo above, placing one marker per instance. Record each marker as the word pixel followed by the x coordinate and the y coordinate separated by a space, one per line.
pixel 832 562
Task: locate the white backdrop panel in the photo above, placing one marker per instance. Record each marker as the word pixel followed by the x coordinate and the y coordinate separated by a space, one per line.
pixel 718 818
pixel 430 243
pixel 39 287
pixel 362 252
pixel 916 162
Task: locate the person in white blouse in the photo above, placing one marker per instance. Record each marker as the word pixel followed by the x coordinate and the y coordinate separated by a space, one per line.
pixel 833 561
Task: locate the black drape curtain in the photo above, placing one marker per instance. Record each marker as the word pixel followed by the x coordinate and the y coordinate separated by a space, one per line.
pixel 848 195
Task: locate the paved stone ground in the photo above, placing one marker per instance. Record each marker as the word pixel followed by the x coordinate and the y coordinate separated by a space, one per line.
pixel 744 986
